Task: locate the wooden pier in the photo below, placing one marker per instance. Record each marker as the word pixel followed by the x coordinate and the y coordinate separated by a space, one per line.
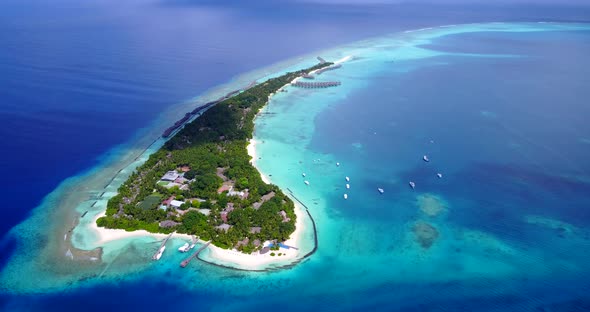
pixel 186 261
pixel 162 245
pixel 316 85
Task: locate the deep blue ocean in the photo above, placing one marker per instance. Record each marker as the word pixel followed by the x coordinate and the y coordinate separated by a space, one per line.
pixel 78 79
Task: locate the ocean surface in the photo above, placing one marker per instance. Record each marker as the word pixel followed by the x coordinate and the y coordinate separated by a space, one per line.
pixel 500 110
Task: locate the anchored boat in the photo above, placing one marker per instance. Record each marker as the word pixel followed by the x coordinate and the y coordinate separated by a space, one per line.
pixel 184 248
pixel 160 252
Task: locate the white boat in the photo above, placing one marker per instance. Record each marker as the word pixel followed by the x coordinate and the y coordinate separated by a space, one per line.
pixel 425 158
pixel 191 246
pixel 413 185
pixel 347 185
pixel 338 164
pixel 439 175
pixel 345 196
pixel 303 174
pixel 347 179
pixel 184 248
pixel 380 190
pixel 306 182
pixel 160 252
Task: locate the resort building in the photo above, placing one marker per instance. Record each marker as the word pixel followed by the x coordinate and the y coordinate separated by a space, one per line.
pixel 176 203
pixel 223 216
pixel 224 227
pixel 168 224
pixel 241 194
pixel 170 176
pixel 284 215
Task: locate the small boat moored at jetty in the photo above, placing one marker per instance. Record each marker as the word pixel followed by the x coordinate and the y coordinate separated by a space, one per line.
pixel 347 179
pixel 184 248
pixel 160 252
pixel 191 246
pixel 347 185
pixel 345 196
pixel 439 175
pixel 412 185
pixel 380 190
pixel 425 158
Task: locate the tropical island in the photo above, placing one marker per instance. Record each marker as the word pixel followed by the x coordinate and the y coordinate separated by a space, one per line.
pixel 202 182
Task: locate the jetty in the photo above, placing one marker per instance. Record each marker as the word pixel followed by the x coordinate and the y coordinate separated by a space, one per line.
pixel 154 257
pixel 316 85
pixel 186 261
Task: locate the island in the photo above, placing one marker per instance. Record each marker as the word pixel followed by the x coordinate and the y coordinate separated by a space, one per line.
pixel 202 181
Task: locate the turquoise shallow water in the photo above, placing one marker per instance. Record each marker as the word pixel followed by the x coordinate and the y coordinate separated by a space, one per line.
pixel 499 109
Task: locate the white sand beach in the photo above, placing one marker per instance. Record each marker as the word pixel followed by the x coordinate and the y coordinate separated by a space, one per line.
pixel 337 62
pixel 252 152
pixel 108 235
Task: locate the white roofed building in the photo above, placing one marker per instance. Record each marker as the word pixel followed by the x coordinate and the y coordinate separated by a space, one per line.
pixel 176 203
pixel 170 176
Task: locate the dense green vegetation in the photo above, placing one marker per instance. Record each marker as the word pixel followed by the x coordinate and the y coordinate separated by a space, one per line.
pixel 213 148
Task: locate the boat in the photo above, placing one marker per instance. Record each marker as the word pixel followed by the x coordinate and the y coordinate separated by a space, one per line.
pixel 303 174
pixel 413 185
pixel 184 248
pixel 337 164
pixel 191 246
pixel 347 185
pixel 345 196
pixel 439 175
pixel 425 158
pixel 306 182
pixel 380 190
pixel 347 179
pixel 160 252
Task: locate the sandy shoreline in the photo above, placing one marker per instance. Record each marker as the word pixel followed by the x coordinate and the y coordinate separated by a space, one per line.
pixel 108 235
pixel 340 61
